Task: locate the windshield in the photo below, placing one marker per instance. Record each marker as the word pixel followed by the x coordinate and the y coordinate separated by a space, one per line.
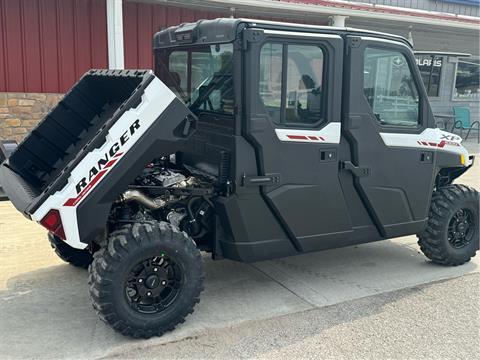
pixel 201 76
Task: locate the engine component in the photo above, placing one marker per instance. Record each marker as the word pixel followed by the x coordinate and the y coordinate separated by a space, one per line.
pixel 175 217
pixel 170 178
pixel 138 196
pixel 157 174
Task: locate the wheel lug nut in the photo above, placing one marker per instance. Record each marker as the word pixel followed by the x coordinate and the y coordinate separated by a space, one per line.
pixel 155 269
pixel 149 293
pixel 140 280
pixel 164 282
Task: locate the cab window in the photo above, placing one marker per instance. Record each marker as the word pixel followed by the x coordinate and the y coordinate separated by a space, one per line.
pixel 202 76
pixel 291 83
pixel 390 88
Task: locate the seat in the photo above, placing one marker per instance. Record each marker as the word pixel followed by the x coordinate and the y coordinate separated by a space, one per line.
pixel 6 148
pixel 462 121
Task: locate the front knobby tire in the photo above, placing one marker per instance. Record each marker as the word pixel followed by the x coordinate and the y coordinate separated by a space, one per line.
pixel 75 257
pixel 146 280
pixel 452 234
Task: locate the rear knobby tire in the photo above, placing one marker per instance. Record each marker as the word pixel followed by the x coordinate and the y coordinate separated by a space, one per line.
pixel 121 277
pixel 452 235
pixel 75 257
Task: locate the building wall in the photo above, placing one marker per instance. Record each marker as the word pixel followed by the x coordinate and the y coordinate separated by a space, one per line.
pixel 48 44
pixel 444 103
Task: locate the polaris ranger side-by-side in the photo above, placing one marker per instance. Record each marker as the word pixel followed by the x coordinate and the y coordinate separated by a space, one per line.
pixel 254 140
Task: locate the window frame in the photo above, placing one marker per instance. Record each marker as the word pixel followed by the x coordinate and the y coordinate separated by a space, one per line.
pixel 166 53
pixel 440 77
pixel 285 42
pixel 453 98
pixel 412 65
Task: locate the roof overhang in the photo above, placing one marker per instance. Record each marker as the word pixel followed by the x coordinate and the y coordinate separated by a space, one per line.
pixel 311 8
pixel 442 53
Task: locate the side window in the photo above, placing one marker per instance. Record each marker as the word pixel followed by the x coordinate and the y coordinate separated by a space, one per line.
pixel 390 88
pixel 291 80
pixel 271 79
pixel 178 72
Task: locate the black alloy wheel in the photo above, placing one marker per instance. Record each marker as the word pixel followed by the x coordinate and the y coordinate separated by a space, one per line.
pixel 461 228
pixel 154 284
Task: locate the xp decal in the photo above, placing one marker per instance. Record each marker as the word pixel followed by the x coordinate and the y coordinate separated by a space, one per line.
pixel 431 138
pixel 440 145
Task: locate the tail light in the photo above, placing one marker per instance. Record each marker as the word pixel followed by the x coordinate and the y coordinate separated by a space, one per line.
pixel 53 222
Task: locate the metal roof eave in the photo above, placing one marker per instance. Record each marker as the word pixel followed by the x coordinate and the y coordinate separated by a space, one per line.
pixel 333 7
pixel 442 53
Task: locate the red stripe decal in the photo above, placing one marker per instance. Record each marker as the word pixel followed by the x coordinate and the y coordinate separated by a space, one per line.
pixel 432 144
pixel 297 137
pixel 75 201
pixel 305 137
pixel 91 184
pixel 111 162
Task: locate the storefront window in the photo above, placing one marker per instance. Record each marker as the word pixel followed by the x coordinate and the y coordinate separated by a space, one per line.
pixel 430 74
pixel 467 80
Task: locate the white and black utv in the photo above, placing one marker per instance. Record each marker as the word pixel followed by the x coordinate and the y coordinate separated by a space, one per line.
pixel 253 140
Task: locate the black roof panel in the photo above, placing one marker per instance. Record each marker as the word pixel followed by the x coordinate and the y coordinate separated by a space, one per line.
pixel 225 29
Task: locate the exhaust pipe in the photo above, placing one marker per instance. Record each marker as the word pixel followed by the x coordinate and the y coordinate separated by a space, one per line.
pixel 135 195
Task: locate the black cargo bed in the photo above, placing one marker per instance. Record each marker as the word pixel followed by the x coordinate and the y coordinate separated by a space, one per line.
pixel 70 130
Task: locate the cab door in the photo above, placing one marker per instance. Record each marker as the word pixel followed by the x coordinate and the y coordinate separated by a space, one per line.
pixel 293 105
pixel 386 115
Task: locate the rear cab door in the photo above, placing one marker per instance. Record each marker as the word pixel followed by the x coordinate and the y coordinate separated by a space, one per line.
pixel 293 109
pixel 386 122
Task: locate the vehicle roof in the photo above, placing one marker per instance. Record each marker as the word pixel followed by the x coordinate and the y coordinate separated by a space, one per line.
pixel 226 29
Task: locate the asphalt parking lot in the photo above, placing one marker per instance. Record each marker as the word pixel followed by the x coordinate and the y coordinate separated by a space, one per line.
pixel 45 310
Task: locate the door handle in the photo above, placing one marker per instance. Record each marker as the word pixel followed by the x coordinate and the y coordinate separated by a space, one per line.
pixel 358 171
pixel 328 155
pixel 426 157
pixel 268 179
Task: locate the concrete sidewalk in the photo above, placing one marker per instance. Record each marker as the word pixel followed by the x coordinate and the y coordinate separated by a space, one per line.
pixel 439 320
pixel 45 311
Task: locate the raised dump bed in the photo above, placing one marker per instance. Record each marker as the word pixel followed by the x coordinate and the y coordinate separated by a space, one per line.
pixel 71 124
pixel 71 128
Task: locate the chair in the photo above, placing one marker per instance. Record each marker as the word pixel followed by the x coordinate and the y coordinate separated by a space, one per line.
pixel 462 121
pixel 6 148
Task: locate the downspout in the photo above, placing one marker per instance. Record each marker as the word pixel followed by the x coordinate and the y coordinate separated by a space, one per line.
pixel 115 34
